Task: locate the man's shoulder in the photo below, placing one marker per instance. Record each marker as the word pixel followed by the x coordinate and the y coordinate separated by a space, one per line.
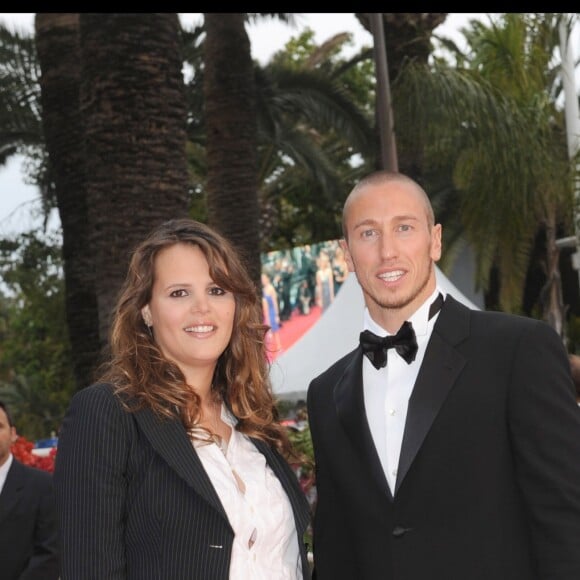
pixel 27 472
pixel 507 320
pixel 493 317
pixel 336 368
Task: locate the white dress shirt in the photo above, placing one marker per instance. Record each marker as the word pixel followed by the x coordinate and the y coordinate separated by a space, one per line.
pixel 387 390
pixel 265 544
pixel 4 469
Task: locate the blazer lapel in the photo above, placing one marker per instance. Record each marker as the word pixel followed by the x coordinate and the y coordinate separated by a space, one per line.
pixel 289 483
pixel 439 371
pixel 169 439
pixel 350 408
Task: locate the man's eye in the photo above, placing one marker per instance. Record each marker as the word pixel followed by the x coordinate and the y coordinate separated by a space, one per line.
pixel 368 233
pixel 404 228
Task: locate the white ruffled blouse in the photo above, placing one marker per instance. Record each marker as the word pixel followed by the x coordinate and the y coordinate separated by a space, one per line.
pixel 265 544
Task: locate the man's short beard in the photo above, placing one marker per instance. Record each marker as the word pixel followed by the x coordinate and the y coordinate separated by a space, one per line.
pixel 403 301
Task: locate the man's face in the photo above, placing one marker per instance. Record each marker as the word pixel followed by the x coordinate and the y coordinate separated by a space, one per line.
pixel 7 436
pixel 392 248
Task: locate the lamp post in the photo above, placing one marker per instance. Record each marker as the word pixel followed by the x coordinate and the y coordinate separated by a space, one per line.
pixel 383 101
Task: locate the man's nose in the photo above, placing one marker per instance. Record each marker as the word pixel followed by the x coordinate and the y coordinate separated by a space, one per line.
pixel 388 246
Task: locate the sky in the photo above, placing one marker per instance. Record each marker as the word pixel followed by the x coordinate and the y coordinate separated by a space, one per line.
pixel 18 200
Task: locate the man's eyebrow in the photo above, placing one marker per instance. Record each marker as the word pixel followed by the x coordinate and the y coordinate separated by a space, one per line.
pixel 398 218
pixel 365 222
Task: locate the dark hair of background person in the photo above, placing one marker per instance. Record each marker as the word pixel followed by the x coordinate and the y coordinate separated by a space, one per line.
pixel 5 409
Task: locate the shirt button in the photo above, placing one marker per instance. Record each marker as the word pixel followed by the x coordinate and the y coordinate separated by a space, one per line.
pixel 394 472
pixel 400 531
pixel 392 412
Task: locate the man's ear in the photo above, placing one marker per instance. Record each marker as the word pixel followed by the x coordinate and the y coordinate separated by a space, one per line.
pixel 146 314
pixel 344 245
pixel 436 243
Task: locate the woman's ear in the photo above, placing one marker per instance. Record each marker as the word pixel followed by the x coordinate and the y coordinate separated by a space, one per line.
pixel 146 314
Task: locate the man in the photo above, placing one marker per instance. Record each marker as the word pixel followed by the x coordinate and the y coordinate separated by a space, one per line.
pixel 462 463
pixel 28 529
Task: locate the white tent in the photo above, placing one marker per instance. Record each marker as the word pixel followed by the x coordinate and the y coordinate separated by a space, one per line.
pixel 334 335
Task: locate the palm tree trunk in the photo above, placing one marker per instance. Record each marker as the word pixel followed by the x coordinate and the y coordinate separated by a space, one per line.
pixel 231 123
pixel 57 45
pixel 134 109
pixel 551 297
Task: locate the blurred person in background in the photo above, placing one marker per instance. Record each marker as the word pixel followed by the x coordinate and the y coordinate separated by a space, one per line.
pixel 324 281
pixel 271 314
pixel 28 525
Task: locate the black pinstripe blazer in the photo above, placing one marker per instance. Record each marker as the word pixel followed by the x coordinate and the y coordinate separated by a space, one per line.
pixel 134 501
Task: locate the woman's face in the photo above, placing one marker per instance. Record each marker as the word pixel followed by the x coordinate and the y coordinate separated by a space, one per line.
pixel 191 316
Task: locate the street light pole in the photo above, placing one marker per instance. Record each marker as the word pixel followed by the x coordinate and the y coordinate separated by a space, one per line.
pixel 383 101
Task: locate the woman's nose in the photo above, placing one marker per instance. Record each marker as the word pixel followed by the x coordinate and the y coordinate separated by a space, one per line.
pixel 199 303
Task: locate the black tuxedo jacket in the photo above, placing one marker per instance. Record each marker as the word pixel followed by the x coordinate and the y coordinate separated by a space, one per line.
pixel 135 502
pixel 28 528
pixel 488 484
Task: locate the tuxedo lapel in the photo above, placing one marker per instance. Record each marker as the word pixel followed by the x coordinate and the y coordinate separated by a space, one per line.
pixel 12 490
pixel 350 408
pixel 440 368
pixel 170 441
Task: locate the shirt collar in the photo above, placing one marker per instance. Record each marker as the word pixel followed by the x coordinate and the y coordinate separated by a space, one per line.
pixel 419 319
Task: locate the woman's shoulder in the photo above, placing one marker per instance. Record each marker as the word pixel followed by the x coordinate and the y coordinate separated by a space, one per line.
pixel 97 395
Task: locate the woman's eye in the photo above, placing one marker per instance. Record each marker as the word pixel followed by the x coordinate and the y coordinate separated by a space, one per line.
pixel 216 291
pixel 178 293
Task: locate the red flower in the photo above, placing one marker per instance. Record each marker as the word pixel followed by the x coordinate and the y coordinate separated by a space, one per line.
pixel 22 450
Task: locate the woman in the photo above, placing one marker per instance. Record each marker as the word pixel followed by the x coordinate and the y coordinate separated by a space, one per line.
pixel 171 466
pixel 271 313
pixel 324 281
pixel 339 269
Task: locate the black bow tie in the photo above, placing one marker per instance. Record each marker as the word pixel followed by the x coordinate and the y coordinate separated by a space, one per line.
pixel 376 347
pixel 404 342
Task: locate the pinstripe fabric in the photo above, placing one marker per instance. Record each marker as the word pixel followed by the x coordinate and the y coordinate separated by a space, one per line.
pixel 134 501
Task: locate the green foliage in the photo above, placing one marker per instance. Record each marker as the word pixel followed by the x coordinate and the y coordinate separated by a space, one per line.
pixel 315 111
pixel 35 364
pixel 494 120
pixel 316 135
pixel 302 442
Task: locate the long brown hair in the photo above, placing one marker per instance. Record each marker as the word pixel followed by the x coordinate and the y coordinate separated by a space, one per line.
pixel 142 376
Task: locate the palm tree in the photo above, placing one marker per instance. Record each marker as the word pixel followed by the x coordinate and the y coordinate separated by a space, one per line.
pixel 310 131
pixel 57 45
pixel 20 114
pixel 231 135
pixel 407 37
pixel 310 125
pixel 496 122
pixel 132 102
